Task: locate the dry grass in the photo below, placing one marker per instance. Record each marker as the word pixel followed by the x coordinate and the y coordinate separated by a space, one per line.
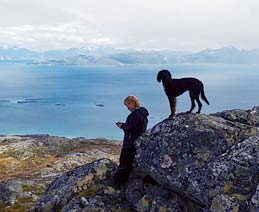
pixel 13 166
pixel 29 164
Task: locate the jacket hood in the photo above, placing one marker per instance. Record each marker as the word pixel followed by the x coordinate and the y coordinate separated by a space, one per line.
pixel 143 111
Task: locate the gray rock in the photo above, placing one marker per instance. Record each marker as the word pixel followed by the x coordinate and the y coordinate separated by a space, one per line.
pixel 150 204
pixel 80 204
pixel 249 117
pixel 65 187
pixel 223 203
pixel 74 205
pixel 10 191
pixel 191 154
pixel 135 190
pixel 235 173
pixel 254 203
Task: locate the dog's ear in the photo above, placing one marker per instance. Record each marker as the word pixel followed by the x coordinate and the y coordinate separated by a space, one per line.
pixel 158 78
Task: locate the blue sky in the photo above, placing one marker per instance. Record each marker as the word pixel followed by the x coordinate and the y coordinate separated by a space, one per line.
pixel 144 24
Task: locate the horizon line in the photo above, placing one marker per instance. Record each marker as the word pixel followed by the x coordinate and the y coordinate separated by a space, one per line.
pixel 7 46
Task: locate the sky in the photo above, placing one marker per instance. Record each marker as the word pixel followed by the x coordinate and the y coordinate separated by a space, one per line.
pixel 181 25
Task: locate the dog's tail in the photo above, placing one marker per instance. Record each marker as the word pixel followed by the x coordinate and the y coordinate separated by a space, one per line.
pixel 204 97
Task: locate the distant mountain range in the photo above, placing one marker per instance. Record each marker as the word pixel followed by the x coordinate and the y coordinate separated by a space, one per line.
pixel 113 56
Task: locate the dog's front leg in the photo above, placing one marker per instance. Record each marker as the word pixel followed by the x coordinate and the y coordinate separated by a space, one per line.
pixel 172 101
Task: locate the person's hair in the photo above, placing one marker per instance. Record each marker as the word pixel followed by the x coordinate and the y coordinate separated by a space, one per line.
pixel 133 101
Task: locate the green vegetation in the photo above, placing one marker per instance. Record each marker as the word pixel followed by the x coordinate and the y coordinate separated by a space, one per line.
pixel 22 204
pixel 37 190
pixel 91 191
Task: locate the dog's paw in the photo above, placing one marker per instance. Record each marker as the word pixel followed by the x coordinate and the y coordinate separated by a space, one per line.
pixel 171 116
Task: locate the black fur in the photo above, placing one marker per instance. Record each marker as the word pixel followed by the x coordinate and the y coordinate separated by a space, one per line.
pixel 175 87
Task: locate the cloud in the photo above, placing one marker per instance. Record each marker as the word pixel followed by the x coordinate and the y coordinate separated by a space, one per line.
pixel 101 41
pixel 175 24
pixel 45 37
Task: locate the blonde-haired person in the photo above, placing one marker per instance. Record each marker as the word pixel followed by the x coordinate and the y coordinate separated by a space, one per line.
pixel 135 125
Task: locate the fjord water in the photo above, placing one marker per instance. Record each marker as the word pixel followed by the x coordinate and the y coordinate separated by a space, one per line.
pixel 75 101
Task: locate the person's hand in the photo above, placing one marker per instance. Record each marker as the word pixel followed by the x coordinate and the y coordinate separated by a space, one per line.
pixel 119 124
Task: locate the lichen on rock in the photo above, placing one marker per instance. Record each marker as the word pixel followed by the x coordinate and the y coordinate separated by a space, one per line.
pixel 201 156
pixel 191 163
pixel 64 188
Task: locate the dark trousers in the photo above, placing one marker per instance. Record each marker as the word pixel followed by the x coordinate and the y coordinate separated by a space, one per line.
pixel 126 164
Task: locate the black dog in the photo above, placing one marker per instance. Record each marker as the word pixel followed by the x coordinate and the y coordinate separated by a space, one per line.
pixel 175 87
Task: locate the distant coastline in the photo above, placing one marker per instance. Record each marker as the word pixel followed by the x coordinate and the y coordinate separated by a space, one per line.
pixel 119 57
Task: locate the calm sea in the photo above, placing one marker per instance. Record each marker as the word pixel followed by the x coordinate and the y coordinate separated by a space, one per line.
pixel 77 101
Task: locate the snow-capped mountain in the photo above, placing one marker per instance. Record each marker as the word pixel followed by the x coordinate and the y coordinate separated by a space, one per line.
pixel 113 56
pixel 228 55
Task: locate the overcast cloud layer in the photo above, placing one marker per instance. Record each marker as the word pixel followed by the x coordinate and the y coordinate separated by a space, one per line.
pixel 143 24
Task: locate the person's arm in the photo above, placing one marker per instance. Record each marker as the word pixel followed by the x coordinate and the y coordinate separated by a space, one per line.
pixel 129 125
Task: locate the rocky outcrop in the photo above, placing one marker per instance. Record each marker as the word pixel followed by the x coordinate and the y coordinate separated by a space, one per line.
pixel 203 157
pixel 248 117
pixel 64 188
pixel 90 188
pixel 191 163
pixel 28 164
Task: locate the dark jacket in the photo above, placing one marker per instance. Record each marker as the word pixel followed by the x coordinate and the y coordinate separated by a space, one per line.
pixel 136 124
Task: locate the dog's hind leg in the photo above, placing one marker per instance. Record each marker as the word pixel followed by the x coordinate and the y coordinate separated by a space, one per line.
pixel 199 103
pixel 191 94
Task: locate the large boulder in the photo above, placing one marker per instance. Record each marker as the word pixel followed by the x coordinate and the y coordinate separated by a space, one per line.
pixel 202 156
pixel 73 182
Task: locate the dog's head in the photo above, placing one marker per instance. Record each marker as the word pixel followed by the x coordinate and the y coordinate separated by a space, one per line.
pixel 163 74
